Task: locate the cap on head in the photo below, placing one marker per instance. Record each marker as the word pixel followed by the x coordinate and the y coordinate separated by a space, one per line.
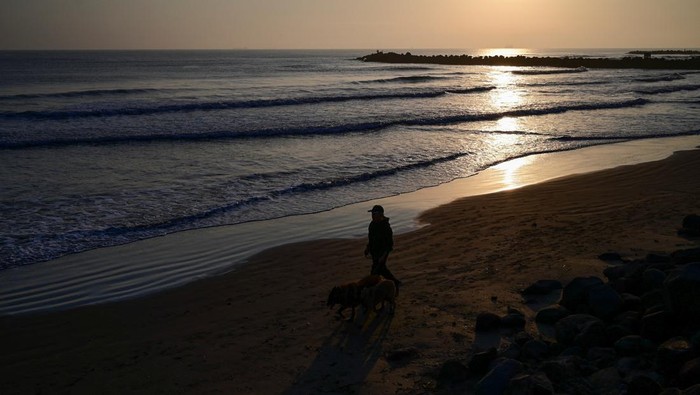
pixel 376 209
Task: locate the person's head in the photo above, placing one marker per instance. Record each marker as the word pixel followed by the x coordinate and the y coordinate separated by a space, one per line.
pixel 377 212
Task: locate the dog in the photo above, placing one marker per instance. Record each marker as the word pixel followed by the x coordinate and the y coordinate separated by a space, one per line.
pixel 384 291
pixel 348 295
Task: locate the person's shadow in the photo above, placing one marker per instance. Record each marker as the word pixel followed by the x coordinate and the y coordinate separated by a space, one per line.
pixel 346 357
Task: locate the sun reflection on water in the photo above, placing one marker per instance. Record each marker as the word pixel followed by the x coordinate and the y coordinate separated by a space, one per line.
pixel 507 52
pixel 506 95
pixel 512 177
pixel 507 124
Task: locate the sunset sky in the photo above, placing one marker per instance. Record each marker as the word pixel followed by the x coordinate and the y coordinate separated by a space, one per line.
pixel 356 24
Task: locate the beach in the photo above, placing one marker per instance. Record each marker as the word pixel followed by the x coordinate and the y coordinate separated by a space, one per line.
pixel 264 328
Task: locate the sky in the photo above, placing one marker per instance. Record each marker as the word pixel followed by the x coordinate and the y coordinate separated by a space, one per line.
pixel 348 24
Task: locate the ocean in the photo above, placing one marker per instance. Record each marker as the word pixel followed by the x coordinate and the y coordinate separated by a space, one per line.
pixel 103 148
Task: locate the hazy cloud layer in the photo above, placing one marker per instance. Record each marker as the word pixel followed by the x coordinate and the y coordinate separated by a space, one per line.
pixel 380 24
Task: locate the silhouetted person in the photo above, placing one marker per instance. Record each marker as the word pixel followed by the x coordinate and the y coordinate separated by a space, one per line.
pixel 380 243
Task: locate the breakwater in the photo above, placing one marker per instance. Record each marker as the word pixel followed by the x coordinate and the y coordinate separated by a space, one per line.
pixel 628 62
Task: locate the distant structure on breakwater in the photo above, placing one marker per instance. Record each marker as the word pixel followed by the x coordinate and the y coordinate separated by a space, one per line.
pixel 628 62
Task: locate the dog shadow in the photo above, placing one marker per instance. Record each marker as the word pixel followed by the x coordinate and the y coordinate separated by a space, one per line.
pixel 346 357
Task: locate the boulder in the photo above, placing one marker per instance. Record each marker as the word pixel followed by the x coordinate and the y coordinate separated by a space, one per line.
pixel 658 258
pixel 534 350
pixel 689 374
pixel 672 354
pixel 631 366
pixel 682 291
pixel 606 381
pixel 631 302
pixel 691 225
pixel 671 391
pixel 496 381
pixel 522 337
pixel 633 345
pixel 616 332
pixel 451 372
pixel 580 329
pixel 630 320
pixel 486 322
pixel 530 384
pixel 653 298
pixel 601 357
pixel 695 341
pixel 550 315
pixel 613 273
pixel 692 390
pixel 513 321
pixel 480 362
pixel 692 221
pixel 560 368
pixel 656 326
pixel 681 257
pixel 643 385
pixel 542 287
pixel 604 302
pixel 575 292
pixel 511 352
pixel 653 278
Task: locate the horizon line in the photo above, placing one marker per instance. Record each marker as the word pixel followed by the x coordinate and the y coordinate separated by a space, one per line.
pixel 335 49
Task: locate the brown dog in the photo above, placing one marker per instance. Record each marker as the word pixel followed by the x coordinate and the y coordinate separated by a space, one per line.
pixel 384 291
pixel 348 295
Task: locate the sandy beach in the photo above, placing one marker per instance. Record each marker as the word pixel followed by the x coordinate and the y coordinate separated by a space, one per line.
pixel 265 328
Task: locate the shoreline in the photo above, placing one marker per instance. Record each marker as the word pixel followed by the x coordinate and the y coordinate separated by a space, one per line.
pixel 265 327
pixel 153 265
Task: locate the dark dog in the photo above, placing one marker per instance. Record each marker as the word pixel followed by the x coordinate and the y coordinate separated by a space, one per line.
pixel 384 291
pixel 349 295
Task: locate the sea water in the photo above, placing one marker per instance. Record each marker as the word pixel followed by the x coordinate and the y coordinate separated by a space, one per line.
pixel 100 148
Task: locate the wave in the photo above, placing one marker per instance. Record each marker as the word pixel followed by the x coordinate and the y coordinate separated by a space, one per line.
pixel 229 105
pixel 80 240
pixel 550 71
pixel 569 83
pixel 85 93
pixel 412 79
pixel 471 90
pixel 402 68
pixel 661 78
pixel 626 137
pixel 326 130
pixel 668 89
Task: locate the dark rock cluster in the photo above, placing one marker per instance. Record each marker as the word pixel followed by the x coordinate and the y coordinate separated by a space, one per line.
pixel 628 62
pixel 636 332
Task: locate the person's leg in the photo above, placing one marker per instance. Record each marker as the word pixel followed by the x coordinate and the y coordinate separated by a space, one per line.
pixel 379 267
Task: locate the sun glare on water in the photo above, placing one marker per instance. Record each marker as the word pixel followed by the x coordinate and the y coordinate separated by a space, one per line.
pixel 506 95
pixel 511 176
pixel 507 52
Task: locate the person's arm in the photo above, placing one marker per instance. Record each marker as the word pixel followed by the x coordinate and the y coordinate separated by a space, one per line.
pixel 388 243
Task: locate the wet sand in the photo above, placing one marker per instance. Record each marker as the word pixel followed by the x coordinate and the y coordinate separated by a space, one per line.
pixel 265 328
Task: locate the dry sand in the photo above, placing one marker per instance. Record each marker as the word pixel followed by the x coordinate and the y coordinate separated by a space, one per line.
pixel 265 328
